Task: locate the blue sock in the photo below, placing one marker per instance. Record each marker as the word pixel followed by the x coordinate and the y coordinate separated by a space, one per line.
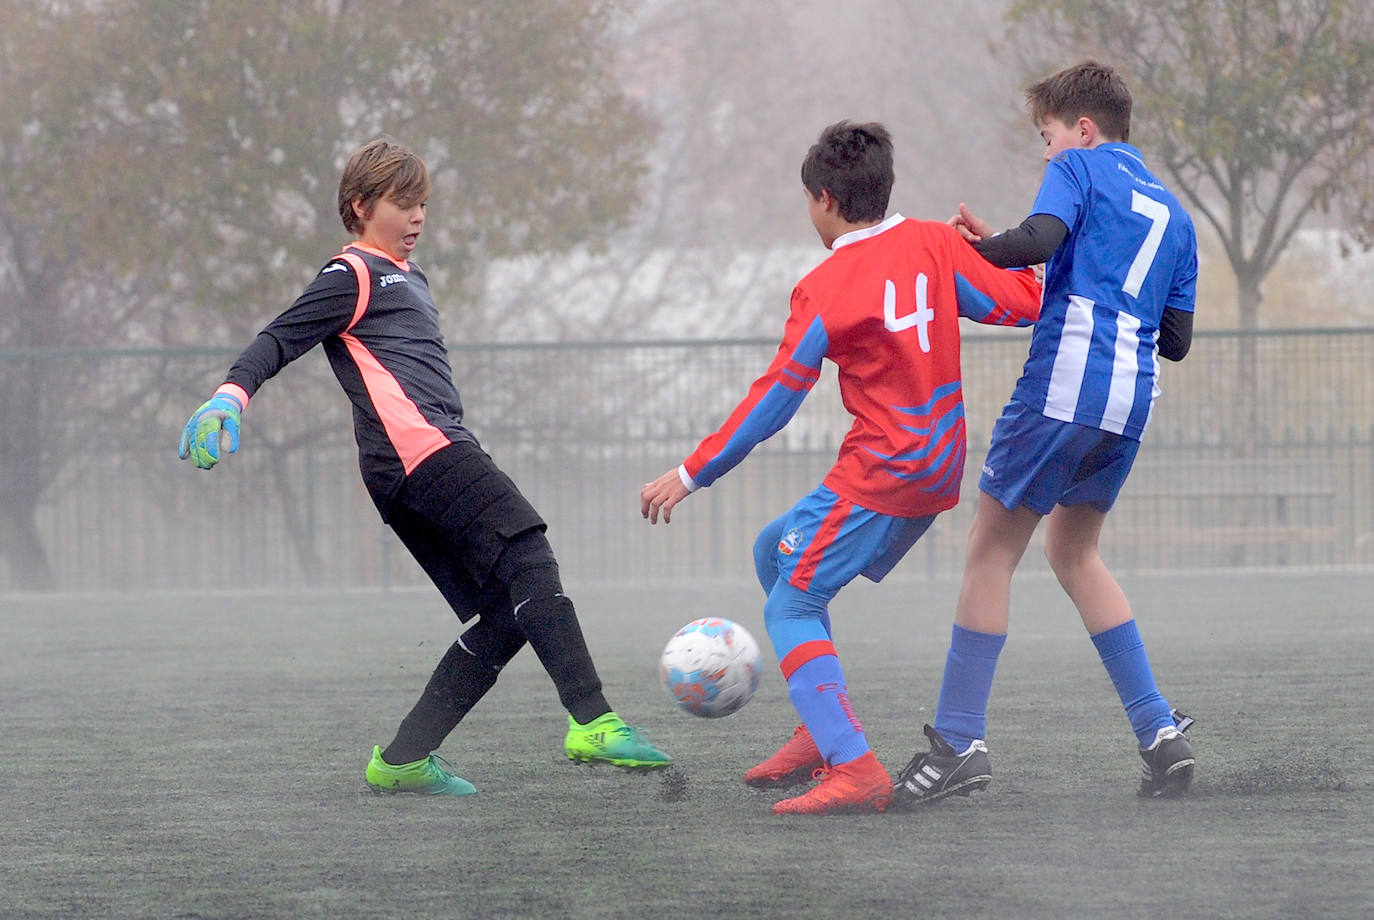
pixel 1123 654
pixel 961 716
pixel 818 691
pixel 798 624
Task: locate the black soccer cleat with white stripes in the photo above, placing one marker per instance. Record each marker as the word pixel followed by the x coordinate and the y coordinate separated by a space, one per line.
pixel 941 771
pixel 1167 764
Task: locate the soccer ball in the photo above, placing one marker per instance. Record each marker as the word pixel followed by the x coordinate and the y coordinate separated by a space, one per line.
pixel 711 667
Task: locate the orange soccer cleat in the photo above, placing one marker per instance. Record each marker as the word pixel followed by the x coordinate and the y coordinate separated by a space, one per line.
pixel 794 763
pixel 860 785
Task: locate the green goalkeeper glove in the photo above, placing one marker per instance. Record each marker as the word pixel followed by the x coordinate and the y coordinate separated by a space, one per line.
pixel 206 432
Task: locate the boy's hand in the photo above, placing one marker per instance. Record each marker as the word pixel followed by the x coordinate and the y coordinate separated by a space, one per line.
pixel 661 495
pixel 970 226
pixel 213 427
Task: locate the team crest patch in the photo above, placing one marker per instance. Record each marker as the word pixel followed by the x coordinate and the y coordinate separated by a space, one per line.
pixel 790 541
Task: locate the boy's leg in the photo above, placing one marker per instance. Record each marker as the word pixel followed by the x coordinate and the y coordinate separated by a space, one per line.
pixel 548 620
pixel 826 542
pixel 798 757
pixel 815 680
pixel 1071 538
pixel 957 760
pixel 483 545
pixel 766 559
pixel 823 542
pixel 852 779
pixel 1071 541
pixel 465 673
pixel 997 541
pixel 766 553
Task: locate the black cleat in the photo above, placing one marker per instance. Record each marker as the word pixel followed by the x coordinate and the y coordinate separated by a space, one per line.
pixel 940 772
pixel 1167 763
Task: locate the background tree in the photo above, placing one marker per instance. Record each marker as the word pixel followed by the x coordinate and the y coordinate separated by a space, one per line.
pixel 1259 112
pixel 168 170
pixel 738 92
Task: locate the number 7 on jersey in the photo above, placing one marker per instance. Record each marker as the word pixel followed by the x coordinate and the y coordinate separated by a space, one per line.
pixel 1158 212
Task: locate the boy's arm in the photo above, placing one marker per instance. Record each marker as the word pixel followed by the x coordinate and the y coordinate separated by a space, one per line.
pixel 325 308
pixel 770 404
pixel 1032 243
pixel 992 295
pixel 1176 325
pixel 1175 334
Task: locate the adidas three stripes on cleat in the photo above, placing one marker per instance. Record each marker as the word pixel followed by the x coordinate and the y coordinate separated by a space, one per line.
pixel 607 739
pixel 1167 764
pixel 941 771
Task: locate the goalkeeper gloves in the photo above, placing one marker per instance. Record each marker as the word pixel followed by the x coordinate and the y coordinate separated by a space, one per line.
pixel 206 432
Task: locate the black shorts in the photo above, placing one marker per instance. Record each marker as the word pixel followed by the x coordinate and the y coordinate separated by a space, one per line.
pixel 456 513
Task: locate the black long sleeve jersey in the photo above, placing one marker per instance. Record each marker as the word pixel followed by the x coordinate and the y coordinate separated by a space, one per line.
pixel 380 330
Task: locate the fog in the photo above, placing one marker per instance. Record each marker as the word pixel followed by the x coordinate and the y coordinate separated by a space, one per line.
pixel 638 182
pixel 739 91
pixel 193 664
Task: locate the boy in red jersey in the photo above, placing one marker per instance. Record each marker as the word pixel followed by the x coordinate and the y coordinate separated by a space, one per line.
pixel 885 307
pixel 463 519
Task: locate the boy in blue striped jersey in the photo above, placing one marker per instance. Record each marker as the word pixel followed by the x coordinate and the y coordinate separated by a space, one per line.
pixel 1120 258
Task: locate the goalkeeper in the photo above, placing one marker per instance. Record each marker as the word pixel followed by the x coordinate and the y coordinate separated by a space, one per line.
pixel 463 519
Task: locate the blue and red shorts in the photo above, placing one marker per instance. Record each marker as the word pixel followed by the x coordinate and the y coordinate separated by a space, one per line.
pixel 824 541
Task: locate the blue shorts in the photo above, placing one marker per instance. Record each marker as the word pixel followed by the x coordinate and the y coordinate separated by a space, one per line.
pixel 1041 462
pixel 824 541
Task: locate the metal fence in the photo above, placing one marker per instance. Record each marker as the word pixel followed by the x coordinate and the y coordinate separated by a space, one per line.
pixel 1260 454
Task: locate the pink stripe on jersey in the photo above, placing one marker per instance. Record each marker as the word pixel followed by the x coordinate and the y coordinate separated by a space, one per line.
pixel 410 433
pixel 364 286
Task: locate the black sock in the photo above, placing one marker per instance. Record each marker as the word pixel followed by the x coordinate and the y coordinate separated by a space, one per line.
pixel 458 683
pixel 550 625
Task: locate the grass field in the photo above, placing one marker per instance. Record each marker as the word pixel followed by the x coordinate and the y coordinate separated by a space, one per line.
pixel 201 757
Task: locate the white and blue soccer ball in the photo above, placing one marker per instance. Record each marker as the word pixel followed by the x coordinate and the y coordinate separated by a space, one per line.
pixel 711 667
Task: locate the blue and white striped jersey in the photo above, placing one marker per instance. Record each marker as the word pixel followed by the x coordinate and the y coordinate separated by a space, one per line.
pixel 1131 251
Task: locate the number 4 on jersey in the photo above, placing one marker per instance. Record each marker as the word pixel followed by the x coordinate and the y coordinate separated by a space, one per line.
pixel 920 317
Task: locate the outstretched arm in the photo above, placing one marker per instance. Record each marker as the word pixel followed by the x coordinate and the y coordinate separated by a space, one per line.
pixel 996 296
pixel 1032 243
pixel 770 404
pixel 325 308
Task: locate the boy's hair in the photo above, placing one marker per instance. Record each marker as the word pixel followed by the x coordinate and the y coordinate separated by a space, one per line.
pixel 1090 89
pixel 854 163
pixel 377 169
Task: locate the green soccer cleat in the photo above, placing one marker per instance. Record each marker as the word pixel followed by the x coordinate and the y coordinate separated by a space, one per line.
pixel 607 739
pixel 432 776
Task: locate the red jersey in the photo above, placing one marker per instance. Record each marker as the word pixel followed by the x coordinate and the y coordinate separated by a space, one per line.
pixel 885 307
